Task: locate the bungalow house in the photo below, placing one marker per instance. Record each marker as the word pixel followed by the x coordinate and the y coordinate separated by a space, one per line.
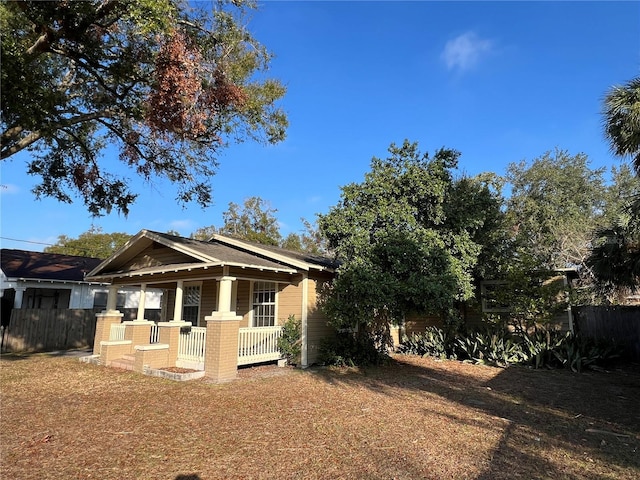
pixel 224 303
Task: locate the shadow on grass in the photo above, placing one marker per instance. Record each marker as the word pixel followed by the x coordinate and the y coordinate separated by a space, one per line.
pixel 593 415
pixel 14 356
pixel 191 476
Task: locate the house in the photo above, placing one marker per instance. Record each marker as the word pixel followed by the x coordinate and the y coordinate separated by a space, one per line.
pixel 54 281
pixel 224 303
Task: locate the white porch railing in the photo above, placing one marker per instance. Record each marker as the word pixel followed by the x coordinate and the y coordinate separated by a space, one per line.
pixel 116 333
pixel 191 348
pixel 155 333
pixel 259 344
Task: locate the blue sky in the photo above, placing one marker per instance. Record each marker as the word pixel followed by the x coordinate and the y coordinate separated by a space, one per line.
pixel 499 81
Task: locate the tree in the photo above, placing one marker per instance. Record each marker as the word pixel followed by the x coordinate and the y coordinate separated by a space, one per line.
pixel 167 83
pixel 615 257
pixel 309 241
pixel 621 114
pixel 92 243
pixel 255 221
pixel 556 203
pixel 408 238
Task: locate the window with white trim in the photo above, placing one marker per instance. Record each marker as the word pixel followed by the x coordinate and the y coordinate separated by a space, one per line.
pixel 191 304
pixel 264 304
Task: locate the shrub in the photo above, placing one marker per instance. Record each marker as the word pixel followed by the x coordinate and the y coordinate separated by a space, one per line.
pixel 434 342
pixel 497 346
pixel 290 343
pixel 347 349
pixel 492 347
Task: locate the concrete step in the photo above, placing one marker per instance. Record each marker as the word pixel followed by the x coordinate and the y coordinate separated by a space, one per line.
pixel 123 363
pixel 129 357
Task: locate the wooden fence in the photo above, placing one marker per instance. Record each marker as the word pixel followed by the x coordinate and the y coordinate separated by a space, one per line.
pixel 37 330
pixel 618 323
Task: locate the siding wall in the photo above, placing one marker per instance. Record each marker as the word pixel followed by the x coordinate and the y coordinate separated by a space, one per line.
pixel 208 300
pixel 317 325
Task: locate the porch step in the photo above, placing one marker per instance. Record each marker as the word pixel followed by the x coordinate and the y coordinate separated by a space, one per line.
pixel 125 363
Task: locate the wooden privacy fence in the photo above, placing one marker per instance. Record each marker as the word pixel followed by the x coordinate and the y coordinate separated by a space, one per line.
pixel 32 329
pixel 618 323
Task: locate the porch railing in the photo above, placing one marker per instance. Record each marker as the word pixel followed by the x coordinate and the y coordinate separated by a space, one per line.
pixel 116 333
pixel 258 344
pixel 191 348
pixel 155 333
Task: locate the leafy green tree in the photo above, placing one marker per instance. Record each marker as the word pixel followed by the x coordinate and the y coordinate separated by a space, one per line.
pixel 168 82
pixel 409 239
pixel 621 114
pixel 254 221
pixel 556 203
pixel 92 243
pixel 615 258
pixel 309 241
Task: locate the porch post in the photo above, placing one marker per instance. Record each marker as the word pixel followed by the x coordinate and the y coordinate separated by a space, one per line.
pixel 177 307
pixel 17 300
pixel 143 295
pixel 112 298
pixel 109 316
pixel 221 352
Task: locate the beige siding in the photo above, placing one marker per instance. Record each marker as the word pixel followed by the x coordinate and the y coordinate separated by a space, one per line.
pixel 317 325
pixel 208 300
pixel 243 306
pixel 417 323
pixel 155 256
pixel 289 301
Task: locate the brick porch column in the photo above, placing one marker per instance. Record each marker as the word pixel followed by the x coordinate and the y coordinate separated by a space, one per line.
pixel 221 355
pixel 104 321
pixel 169 334
pixel 138 331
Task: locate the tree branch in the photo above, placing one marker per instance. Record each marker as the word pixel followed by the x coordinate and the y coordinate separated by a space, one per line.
pixel 16 145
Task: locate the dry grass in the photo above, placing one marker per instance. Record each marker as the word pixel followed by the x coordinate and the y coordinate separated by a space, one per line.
pixel 417 418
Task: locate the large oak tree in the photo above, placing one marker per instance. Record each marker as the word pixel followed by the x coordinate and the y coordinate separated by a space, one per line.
pixel 167 83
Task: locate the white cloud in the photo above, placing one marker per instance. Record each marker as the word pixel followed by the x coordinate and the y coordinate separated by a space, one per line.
pixel 465 51
pixel 9 189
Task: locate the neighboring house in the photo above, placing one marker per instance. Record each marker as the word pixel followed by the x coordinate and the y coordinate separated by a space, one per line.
pixel 53 281
pixel 236 293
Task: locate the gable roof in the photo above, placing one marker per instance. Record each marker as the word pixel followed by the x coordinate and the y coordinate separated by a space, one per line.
pixel 219 251
pixel 24 264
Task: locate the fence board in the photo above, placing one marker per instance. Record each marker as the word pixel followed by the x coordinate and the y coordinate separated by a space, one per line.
pixel 46 329
pixel 618 323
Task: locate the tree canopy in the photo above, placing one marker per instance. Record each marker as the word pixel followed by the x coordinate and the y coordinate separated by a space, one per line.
pixel 409 238
pixel 255 220
pixel 621 115
pixel 167 82
pixel 92 243
pixel 615 257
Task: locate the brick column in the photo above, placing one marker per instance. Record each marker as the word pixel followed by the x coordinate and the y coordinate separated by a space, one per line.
pixel 104 321
pixel 169 334
pixel 221 354
pixel 138 332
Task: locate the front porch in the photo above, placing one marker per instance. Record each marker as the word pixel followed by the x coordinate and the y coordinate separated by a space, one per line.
pixel 141 345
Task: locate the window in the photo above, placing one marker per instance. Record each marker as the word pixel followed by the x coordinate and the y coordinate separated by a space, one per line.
pixel 191 304
pixel 264 304
pixel 100 300
pixel 494 296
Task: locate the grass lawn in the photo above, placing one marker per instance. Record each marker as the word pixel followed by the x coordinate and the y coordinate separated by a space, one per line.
pixel 414 419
